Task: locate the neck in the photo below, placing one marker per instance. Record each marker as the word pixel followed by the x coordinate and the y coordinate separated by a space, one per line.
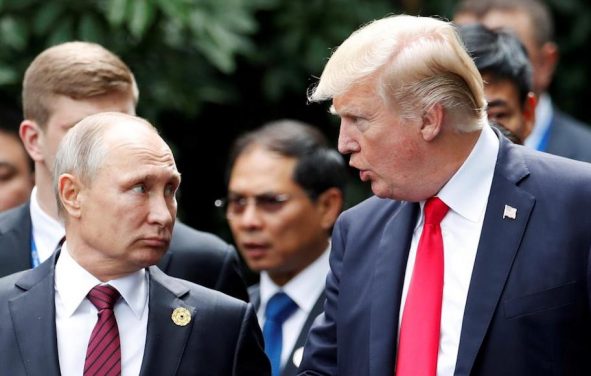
pixel 451 155
pixel 283 276
pixel 45 191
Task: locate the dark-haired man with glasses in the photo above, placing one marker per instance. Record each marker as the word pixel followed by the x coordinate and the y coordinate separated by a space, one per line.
pixel 285 191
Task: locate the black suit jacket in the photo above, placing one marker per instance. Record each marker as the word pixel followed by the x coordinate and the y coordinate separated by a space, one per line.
pixel 291 368
pixel 569 137
pixel 528 308
pixel 222 338
pixel 193 255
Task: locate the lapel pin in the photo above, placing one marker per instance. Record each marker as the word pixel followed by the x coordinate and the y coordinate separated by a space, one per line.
pixel 509 212
pixel 181 316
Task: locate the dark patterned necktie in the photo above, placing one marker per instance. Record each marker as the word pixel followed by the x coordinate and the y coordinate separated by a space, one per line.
pixel 103 355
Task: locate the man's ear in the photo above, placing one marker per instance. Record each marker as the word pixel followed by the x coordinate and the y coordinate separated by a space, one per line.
pixel 432 122
pixel 70 188
pixel 32 136
pixel 329 203
pixel 529 114
pixel 547 62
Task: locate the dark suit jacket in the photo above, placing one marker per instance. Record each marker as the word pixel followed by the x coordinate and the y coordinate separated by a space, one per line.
pixel 193 255
pixel 528 304
pixel 569 138
pixel 222 338
pixel 290 368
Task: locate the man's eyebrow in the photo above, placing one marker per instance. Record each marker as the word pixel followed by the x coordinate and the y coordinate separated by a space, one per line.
pixel 497 103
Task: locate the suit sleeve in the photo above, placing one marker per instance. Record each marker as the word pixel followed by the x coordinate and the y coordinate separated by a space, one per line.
pixel 250 358
pixel 320 352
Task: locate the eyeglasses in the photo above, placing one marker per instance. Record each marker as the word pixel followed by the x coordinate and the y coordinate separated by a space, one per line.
pixel 235 205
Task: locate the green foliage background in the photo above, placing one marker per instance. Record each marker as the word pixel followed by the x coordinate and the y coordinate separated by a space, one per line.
pixel 211 69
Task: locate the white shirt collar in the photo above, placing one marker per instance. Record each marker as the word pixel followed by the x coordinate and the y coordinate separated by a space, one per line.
pixel 73 283
pixel 304 289
pixel 47 232
pixel 466 193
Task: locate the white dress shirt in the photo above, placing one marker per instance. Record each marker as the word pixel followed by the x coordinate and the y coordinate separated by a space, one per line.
pixel 466 195
pixel 47 232
pixel 76 316
pixel 304 289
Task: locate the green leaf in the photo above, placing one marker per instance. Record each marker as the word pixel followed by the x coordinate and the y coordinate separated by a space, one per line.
pixel 63 32
pixel 117 11
pixel 46 17
pixel 219 58
pixel 8 75
pixel 176 10
pixel 90 28
pixel 13 32
pixel 142 15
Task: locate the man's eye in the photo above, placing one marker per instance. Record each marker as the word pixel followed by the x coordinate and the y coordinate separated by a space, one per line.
pixel 170 190
pixel 139 188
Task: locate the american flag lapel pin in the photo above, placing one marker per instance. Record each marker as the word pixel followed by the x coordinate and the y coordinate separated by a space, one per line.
pixel 510 212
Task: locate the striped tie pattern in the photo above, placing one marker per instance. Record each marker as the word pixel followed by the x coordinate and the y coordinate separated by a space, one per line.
pixel 103 355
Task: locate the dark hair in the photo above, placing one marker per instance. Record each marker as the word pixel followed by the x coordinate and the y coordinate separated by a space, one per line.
pixel 499 54
pixel 537 11
pixel 318 167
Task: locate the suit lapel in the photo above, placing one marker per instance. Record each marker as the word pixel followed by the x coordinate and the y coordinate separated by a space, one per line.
pixel 165 340
pixel 291 367
pixel 498 245
pixel 33 316
pixel 390 265
pixel 15 241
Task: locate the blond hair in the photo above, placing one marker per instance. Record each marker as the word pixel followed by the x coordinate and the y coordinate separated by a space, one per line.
pixel 79 70
pixel 416 62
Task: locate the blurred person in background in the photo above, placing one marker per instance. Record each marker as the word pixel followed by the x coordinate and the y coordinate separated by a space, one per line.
pixel 507 74
pixel 16 168
pixel 554 131
pixel 285 190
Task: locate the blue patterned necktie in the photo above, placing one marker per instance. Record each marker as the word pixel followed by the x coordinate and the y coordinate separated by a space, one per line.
pixel 279 308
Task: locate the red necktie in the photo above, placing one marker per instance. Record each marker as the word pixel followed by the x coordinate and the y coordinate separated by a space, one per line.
pixel 421 319
pixel 103 355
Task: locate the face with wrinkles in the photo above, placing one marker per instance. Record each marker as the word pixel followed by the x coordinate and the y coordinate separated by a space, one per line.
pixel 127 210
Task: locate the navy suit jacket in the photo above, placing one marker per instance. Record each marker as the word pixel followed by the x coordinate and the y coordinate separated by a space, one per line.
pixel 528 303
pixel 193 255
pixel 291 368
pixel 222 338
pixel 569 137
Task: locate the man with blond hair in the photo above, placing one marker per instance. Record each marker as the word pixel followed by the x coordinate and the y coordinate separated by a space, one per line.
pixel 98 306
pixel 473 259
pixel 62 85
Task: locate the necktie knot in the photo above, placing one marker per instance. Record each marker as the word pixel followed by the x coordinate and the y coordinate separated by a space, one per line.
pixel 279 308
pixel 103 297
pixel 435 210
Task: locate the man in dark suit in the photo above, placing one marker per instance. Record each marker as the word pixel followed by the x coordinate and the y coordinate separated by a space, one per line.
pixel 473 259
pixel 554 131
pixel 98 306
pixel 285 191
pixel 62 85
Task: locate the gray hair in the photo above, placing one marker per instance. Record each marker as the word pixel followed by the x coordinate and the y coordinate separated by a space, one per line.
pixel 417 62
pixel 82 151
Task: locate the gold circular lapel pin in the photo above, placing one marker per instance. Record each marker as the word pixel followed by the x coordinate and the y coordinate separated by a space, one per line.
pixel 181 316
